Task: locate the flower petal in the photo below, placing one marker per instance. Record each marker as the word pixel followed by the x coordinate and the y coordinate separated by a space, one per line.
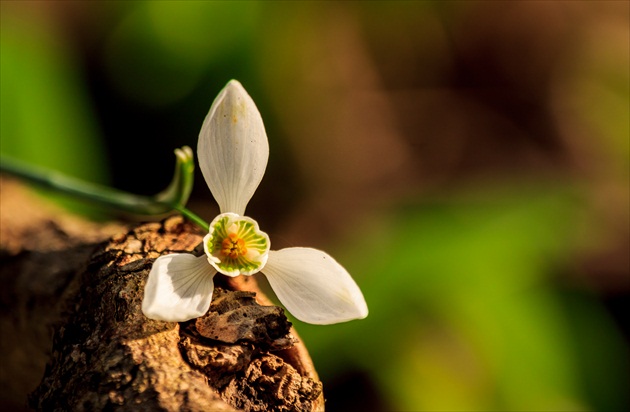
pixel 314 287
pixel 233 149
pixel 179 288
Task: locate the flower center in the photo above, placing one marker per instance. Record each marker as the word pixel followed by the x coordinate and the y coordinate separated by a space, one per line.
pixel 235 245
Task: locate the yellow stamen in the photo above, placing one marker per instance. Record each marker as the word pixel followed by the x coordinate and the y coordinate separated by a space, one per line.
pixel 233 246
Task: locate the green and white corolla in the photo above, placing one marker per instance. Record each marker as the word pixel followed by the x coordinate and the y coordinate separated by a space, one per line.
pixel 233 152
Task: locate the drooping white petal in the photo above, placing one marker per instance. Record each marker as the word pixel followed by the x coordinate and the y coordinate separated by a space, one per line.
pixel 179 288
pixel 314 287
pixel 233 149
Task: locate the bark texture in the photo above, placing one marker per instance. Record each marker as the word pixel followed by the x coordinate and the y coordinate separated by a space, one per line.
pixel 41 251
pixel 106 355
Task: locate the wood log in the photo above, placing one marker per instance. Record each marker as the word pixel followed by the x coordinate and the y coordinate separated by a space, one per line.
pixel 106 355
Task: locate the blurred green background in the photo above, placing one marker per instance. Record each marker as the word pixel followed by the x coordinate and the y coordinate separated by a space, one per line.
pixel 468 162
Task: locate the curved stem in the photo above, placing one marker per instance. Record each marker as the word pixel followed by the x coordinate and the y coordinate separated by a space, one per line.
pixel 59 182
pixel 193 217
pixel 103 195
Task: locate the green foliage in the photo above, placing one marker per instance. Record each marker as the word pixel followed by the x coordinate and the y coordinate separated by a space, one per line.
pixel 464 310
pixel 46 115
pixel 161 51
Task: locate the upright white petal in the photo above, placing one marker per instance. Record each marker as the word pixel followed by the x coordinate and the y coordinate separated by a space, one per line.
pixel 314 287
pixel 233 149
pixel 179 288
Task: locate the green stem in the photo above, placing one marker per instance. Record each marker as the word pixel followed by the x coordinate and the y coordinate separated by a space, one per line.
pixel 103 195
pixel 193 217
pixel 71 186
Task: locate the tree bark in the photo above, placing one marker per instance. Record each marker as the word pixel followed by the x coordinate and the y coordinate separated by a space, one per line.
pixel 242 355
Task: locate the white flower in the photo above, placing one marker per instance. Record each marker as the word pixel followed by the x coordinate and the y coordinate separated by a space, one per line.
pixel 233 152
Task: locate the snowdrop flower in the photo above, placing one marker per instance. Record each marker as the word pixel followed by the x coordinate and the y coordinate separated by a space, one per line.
pixel 233 152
